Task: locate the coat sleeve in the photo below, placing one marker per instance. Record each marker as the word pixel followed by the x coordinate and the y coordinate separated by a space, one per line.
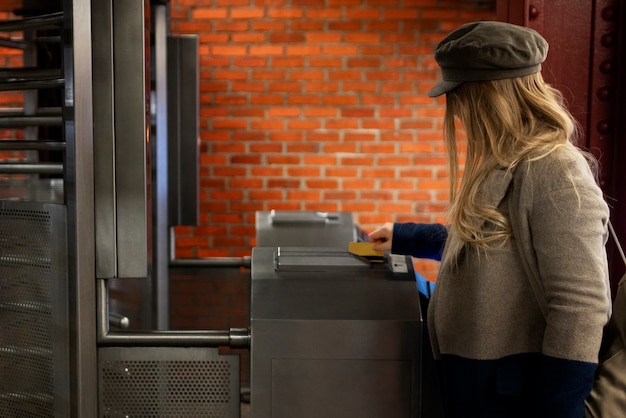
pixel 566 233
pixel 419 240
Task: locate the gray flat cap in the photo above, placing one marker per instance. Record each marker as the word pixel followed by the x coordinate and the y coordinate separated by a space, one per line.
pixel 487 50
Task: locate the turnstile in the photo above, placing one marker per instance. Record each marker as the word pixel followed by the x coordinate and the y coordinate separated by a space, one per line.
pixel 333 335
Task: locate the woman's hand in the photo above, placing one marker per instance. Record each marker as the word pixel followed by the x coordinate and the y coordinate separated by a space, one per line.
pixel 381 238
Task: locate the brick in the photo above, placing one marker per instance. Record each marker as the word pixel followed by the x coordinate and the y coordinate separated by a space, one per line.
pixel 379 124
pixel 266 147
pixel 268 124
pixel 398 184
pixel 397 136
pixel 376 99
pixel 323 37
pixel 292 13
pixel 271 25
pixel 267 50
pixel 320 112
pixel 228 50
pixel 357 113
pixel 247 112
pixel 321 184
pixel 284 183
pixel 283 159
pixel 325 14
pixel 358 206
pixel 340 148
pixel 403 14
pixel 360 137
pixel 266 194
pixel 306 26
pixel 248 62
pixel 362 13
pixel 239 26
pixel 377 50
pixel 358 160
pixel 286 37
pixel 286 87
pixel 323 160
pixel 267 171
pixel 290 62
pixel 303 195
pixel 250 87
pixel 248 38
pixel 303 50
pixel 341 50
pixel 339 100
pixel 204 13
pixel 286 136
pixel 321 87
pixel 321 206
pixel 378 173
pixel 256 13
pixel 325 62
pixel 345 75
pixel 362 38
pixel 285 112
pixel 307 75
pixel 304 147
pixel 322 136
pixel 306 124
pixel 341 172
pixel 303 171
pixel 267 99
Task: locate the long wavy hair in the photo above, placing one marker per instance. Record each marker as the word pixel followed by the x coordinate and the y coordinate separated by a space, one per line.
pixel 506 122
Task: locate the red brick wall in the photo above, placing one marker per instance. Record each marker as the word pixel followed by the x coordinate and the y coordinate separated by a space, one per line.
pixel 10 57
pixel 317 105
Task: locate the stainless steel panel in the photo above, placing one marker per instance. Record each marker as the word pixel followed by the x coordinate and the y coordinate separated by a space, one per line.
pixel 132 136
pixel 159 285
pixel 121 139
pixel 34 322
pixel 334 342
pixel 305 229
pixel 183 87
pixel 168 382
pixel 104 140
pixel 79 178
pixel 390 380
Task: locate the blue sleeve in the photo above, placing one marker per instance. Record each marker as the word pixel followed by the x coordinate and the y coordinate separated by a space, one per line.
pixel 562 387
pixel 419 240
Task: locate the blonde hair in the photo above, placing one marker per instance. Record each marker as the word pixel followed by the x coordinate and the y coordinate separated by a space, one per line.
pixel 506 122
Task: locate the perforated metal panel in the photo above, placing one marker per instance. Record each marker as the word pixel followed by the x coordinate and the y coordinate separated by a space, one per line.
pixel 167 382
pixel 33 321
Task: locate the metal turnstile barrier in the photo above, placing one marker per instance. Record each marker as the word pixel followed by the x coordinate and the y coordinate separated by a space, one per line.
pixel 333 336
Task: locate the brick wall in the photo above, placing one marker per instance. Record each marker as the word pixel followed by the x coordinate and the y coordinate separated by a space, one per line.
pixel 9 58
pixel 317 105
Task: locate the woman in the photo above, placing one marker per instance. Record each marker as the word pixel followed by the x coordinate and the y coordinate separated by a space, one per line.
pixel 500 356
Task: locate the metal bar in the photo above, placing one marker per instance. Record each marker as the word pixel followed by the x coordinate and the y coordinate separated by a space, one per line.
pixel 32 84
pixel 52 20
pixel 25 44
pixel 40 111
pixel 212 261
pixel 43 145
pixel 234 337
pixel 119 321
pixel 14 44
pixel 30 73
pixel 16 168
pixel 25 121
pixel 25 307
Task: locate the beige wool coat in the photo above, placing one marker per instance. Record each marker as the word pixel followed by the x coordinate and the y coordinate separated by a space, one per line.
pixel 485 307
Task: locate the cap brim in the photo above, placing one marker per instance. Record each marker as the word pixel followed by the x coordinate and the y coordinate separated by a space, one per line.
pixel 442 87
